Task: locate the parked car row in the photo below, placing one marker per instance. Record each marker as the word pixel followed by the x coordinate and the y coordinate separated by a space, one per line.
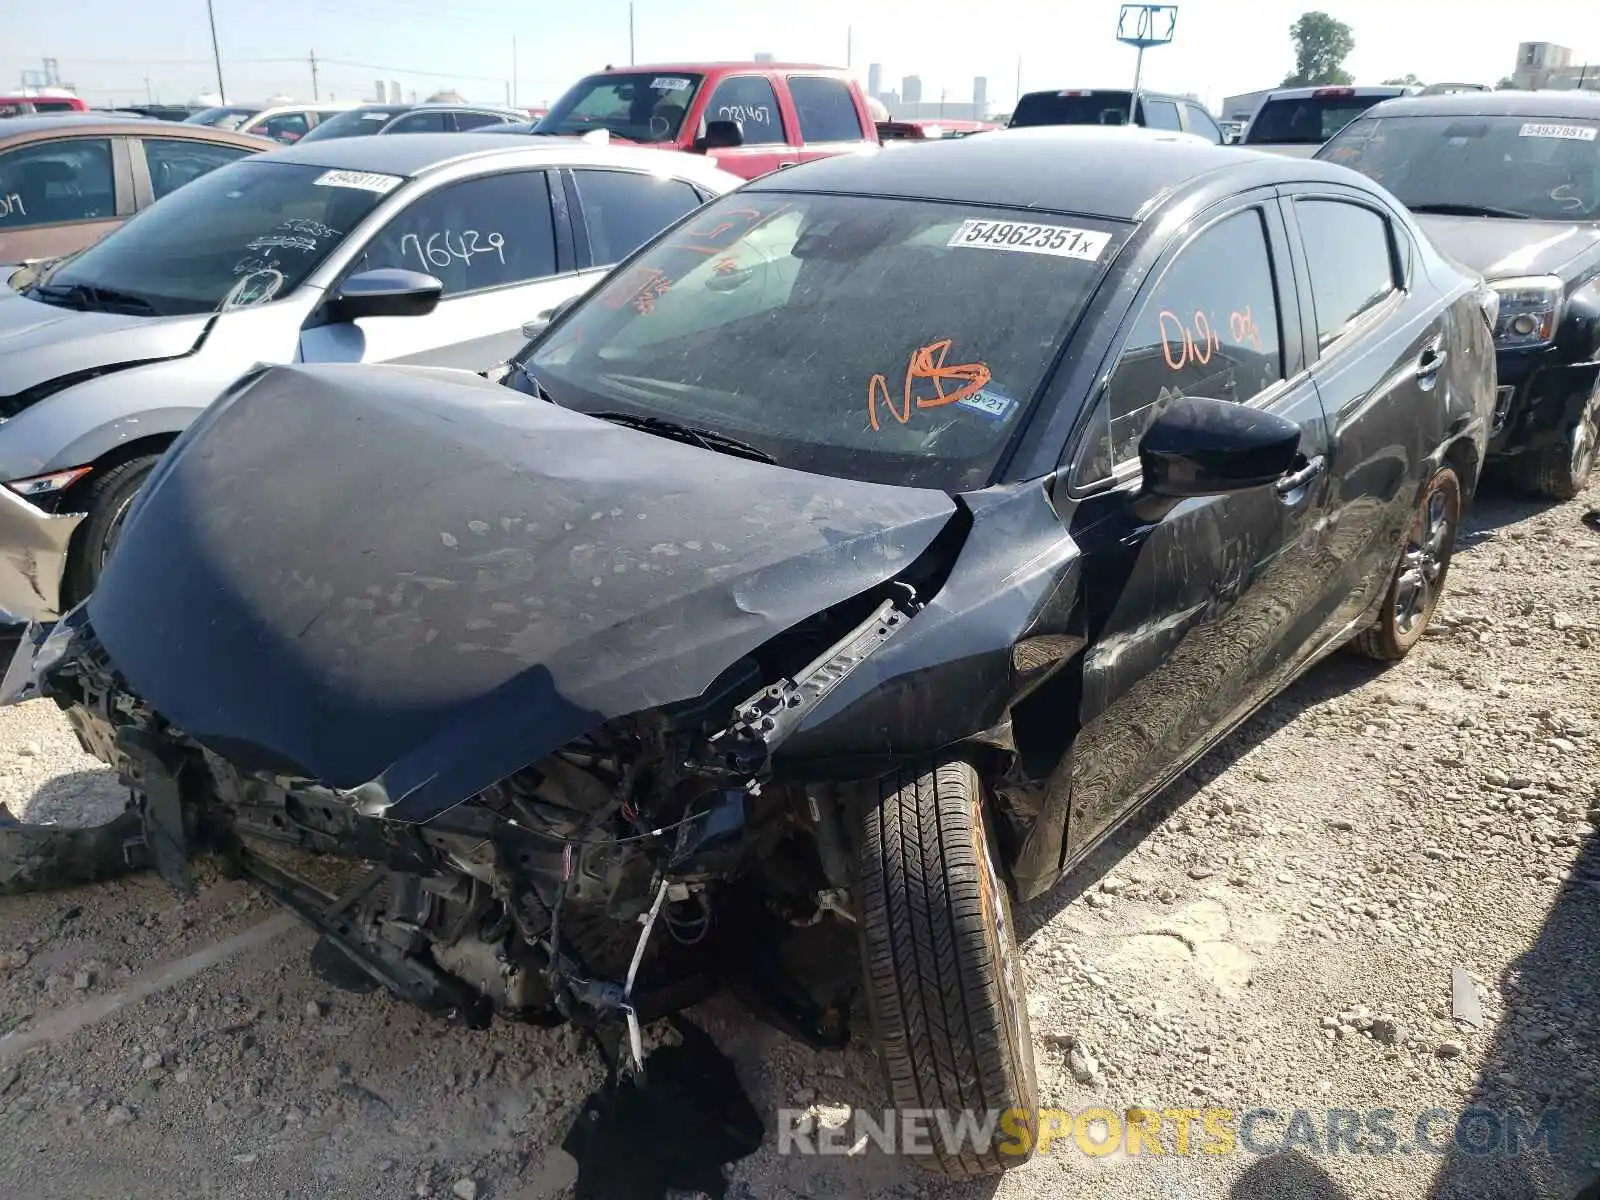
pixel 632 558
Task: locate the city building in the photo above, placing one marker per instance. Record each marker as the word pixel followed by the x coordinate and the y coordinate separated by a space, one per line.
pixel 764 56
pixel 980 95
pixel 1545 66
pixel 874 79
pixel 911 89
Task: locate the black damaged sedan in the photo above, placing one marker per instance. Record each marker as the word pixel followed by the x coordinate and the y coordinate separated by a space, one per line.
pixel 855 558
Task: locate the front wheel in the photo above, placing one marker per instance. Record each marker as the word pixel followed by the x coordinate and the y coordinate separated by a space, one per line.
pixel 1418 579
pixel 107 502
pixel 1562 469
pixel 944 977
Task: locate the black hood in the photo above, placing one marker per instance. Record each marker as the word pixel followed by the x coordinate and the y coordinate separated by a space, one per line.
pixel 418 578
pixel 1500 248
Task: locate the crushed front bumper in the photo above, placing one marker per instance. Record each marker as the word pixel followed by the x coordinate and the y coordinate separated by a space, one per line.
pixel 33 555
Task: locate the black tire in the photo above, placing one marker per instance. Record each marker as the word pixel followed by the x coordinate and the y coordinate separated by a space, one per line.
pixel 1418 579
pixel 106 501
pixel 944 977
pixel 1561 470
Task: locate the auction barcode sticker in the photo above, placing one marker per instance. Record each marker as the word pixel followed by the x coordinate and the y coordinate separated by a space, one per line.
pixel 1060 240
pixel 367 181
pixel 669 83
pixel 1571 133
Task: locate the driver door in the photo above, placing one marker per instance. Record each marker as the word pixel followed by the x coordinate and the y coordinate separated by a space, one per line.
pixel 501 246
pixel 1188 612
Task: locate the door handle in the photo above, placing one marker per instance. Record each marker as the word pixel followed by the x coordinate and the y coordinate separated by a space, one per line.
pixel 1294 482
pixel 1432 360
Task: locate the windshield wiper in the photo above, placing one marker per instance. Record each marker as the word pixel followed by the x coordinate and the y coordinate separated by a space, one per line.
pixel 1468 210
pixel 86 298
pixel 708 439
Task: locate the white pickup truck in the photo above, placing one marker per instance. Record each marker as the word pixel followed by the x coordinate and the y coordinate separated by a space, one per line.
pixel 1296 121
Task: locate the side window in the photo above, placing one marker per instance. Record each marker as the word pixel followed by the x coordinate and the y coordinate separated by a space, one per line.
pixel 623 210
pixel 1210 328
pixel 285 127
pixel 1200 122
pixel 1161 114
pixel 174 162
pixel 750 99
pixel 476 234
pixel 1349 258
pixel 49 182
pixel 472 120
pixel 423 122
pixel 827 109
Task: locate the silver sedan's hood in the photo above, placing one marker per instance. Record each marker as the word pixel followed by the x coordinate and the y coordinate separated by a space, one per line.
pixel 40 342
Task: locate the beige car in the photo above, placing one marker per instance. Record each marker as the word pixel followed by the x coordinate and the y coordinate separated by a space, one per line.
pixel 66 181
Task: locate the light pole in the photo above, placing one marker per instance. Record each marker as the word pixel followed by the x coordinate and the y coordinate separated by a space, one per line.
pixel 216 53
pixel 1143 26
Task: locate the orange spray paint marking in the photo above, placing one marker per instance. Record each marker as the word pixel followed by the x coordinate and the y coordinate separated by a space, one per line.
pixel 928 364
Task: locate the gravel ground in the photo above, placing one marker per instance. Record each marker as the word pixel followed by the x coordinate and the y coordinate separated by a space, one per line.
pixel 1280 932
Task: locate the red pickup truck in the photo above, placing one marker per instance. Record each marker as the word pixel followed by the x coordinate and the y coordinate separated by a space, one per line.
pixel 751 118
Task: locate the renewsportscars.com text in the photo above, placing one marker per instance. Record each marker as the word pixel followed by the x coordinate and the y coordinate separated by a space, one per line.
pixel 1482 1132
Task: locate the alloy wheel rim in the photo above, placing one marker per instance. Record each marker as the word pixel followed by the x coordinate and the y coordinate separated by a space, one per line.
pixel 1585 438
pixel 1422 567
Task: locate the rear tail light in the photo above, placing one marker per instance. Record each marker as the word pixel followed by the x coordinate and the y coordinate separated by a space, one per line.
pixel 1074 93
pixel 1333 91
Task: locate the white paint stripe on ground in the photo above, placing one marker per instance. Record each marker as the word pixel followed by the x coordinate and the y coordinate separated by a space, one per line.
pixel 68 1021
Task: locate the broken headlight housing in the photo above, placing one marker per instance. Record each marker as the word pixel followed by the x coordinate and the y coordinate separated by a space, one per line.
pixel 1530 311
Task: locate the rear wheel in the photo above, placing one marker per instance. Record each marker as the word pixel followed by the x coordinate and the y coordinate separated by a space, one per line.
pixel 944 977
pixel 107 501
pixel 1418 580
pixel 1562 469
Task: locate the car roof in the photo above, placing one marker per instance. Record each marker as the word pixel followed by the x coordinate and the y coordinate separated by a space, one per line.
pixel 1052 168
pixel 91 124
pixel 32 123
pixel 1306 93
pixel 466 106
pixel 704 67
pixel 413 154
pixel 1090 91
pixel 1490 104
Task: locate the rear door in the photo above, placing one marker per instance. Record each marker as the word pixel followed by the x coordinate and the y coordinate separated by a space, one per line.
pixel 825 110
pixel 615 212
pixel 463 121
pixel 1379 342
pixel 430 121
pixel 501 245
pixel 752 101
pixel 1197 120
pixel 1188 616
pixel 60 194
pixel 161 165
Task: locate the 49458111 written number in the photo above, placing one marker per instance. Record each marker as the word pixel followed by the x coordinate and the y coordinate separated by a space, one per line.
pixel 1060 240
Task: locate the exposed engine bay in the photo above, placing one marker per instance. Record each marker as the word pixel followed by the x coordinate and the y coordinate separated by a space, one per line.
pixel 610 880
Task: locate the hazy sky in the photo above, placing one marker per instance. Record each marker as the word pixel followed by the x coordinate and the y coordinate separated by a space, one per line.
pixel 108 48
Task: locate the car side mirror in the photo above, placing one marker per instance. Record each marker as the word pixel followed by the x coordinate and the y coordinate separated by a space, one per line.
pixel 532 329
pixel 1203 447
pixel 387 292
pixel 720 135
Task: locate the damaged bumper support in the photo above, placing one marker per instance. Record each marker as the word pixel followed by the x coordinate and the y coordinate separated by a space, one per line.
pixel 33 555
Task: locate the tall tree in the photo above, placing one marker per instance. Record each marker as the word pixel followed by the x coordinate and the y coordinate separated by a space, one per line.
pixel 1321 44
